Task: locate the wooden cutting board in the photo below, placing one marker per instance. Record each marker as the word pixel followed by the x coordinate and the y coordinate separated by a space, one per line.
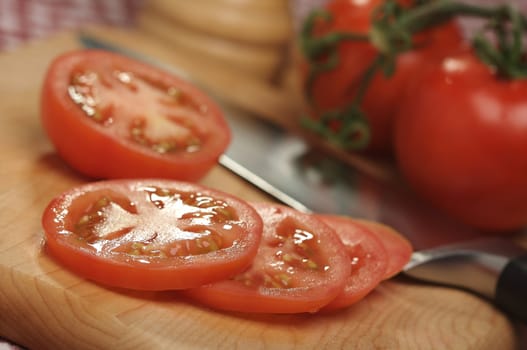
pixel 43 306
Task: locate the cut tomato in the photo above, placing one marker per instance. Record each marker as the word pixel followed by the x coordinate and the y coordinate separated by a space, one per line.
pixel 110 116
pixel 377 252
pixel 367 256
pixel 151 234
pixel 301 266
pixel 398 248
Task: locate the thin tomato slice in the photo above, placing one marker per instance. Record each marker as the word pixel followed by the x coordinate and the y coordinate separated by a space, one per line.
pixel 301 265
pixel 109 116
pixel 151 234
pixel 399 249
pixel 367 256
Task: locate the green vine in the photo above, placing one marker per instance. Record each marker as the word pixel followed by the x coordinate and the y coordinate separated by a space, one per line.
pixel 393 27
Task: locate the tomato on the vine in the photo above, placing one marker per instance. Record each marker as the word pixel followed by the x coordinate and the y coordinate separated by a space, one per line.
pixel 336 88
pixel 461 142
pixel 110 116
pixel 151 234
pixel 301 266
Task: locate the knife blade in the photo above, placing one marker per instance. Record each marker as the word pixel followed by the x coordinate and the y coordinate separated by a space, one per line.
pixel 285 166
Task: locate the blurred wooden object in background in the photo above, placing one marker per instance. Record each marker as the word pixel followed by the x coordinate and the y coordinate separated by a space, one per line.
pixel 252 36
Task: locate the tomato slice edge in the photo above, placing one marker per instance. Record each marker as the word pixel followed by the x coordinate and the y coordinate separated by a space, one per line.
pixel 368 257
pixel 398 247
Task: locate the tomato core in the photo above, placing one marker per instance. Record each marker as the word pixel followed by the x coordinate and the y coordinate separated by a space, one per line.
pixel 112 225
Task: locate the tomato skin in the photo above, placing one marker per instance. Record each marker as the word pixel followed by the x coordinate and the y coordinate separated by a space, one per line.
pixel 104 151
pixel 367 256
pixel 311 288
pixel 336 88
pixel 461 141
pixel 111 258
pixel 399 249
pixel 377 252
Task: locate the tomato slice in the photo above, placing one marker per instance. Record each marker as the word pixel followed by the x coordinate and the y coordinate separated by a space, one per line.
pixel 367 256
pixel 151 234
pixel 109 116
pixel 301 265
pixel 399 249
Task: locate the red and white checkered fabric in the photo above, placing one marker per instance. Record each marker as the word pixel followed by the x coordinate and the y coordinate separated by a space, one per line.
pixel 23 20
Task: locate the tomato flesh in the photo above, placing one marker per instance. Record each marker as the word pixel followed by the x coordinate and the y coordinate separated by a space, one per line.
pixel 151 234
pixel 367 257
pixel 112 117
pixel 376 252
pixel 301 265
pixel 398 248
pixel 159 126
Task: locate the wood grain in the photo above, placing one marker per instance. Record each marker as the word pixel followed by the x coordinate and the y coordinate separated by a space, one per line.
pixel 268 25
pixel 43 306
pixel 259 60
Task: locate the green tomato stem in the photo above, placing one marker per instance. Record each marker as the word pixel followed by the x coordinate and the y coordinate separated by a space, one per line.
pixel 508 58
pixel 434 13
pixel 392 29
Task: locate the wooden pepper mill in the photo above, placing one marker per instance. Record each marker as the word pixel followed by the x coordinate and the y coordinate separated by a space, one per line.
pixel 252 36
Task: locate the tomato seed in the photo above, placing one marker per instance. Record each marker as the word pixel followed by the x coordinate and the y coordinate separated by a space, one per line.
pixel 174 92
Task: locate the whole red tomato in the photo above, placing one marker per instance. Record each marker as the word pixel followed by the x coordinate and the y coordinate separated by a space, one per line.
pixel 461 142
pixel 337 87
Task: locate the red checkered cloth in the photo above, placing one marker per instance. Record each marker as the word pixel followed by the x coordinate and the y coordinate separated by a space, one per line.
pixel 23 20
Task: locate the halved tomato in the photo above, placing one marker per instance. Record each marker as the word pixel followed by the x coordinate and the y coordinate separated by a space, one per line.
pixel 367 255
pixel 301 266
pixel 110 116
pixel 151 234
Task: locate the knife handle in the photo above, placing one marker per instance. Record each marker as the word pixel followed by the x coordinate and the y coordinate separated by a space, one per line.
pixel 511 289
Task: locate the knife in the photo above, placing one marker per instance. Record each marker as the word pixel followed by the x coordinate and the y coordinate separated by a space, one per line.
pixel 284 165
